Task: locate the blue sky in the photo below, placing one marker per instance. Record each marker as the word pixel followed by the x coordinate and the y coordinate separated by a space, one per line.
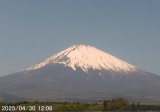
pixel 33 30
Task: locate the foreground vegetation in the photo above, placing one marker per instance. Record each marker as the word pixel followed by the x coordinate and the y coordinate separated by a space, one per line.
pixel 118 104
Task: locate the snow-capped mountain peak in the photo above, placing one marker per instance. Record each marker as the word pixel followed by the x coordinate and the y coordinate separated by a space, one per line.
pixel 86 57
pixel 80 69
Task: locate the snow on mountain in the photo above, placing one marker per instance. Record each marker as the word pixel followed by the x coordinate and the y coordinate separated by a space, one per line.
pixel 86 57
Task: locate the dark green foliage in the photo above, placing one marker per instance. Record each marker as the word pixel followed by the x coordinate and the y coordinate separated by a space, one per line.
pixel 140 107
pixel 118 104
pixel 133 107
pixel 65 108
pixel 95 107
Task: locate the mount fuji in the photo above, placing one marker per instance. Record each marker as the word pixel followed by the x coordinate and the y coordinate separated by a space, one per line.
pixel 81 73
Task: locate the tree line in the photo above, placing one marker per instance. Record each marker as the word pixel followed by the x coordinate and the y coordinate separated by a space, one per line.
pixel 117 104
pixel 120 104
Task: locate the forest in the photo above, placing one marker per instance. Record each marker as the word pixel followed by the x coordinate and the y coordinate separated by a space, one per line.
pixel 117 104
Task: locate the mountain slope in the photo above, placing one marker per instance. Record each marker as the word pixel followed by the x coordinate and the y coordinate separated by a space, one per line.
pixel 81 73
pixel 86 57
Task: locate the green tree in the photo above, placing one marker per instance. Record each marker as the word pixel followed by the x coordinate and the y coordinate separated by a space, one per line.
pixel 138 106
pixel 97 107
pixel 133 107
pixel 118 104
pixel 79 107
